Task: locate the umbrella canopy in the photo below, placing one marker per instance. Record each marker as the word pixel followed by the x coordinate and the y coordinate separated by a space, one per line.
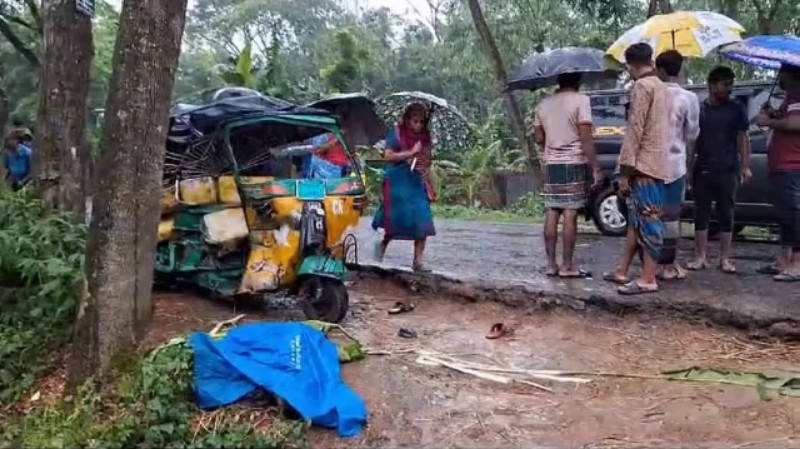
pixel 358 114
pixel 693 33
pixel 449 128
pixel 767 52
pixel 542 69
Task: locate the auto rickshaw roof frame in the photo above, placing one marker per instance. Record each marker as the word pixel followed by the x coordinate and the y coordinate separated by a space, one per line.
pixel 321 121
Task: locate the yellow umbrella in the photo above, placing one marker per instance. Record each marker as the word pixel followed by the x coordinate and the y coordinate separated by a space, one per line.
pixel 692 33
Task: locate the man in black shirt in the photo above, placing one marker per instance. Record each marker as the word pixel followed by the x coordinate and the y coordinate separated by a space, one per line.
pixel 720 163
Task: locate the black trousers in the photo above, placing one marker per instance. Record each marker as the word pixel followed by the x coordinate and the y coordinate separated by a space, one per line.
pixel 714 187
pixel 786 198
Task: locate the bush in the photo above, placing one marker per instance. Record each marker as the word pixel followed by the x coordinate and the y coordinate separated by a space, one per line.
pixel 41 266
pixel 147 406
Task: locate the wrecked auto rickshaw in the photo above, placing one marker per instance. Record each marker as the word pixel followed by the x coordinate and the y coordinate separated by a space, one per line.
pixel 239 220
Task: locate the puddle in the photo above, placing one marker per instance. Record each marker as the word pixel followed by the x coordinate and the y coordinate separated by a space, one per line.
pixel 422 406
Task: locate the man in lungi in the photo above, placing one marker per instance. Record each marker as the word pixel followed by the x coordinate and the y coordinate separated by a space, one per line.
pixel 643 167
pixel 563 128
pixel 684 126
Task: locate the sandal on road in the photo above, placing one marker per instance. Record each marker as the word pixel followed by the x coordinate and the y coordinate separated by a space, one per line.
pixel 407 333
pixel 635 288
pixel 614 279
pixel 498 330
pixel 770 269
pixel 787 276
pixel 727 267
pixel 419 267
pixel 680 275
pixel 401 307
pixel 553 272
pixel 697 265
pixel 579 274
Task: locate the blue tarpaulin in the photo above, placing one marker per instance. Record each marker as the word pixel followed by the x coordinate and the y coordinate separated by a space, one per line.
pixel 293 361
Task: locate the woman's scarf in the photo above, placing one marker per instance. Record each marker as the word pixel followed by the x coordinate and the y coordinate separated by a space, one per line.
pixel 407 139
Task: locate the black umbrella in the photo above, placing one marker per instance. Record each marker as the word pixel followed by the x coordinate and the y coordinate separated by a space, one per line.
pixel 357 113
pixel 542 69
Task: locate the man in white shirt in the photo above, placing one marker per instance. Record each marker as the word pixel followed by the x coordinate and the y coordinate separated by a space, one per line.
pixel 684 127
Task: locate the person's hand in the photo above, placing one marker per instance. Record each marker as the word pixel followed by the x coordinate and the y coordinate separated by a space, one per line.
pixel 745 175
pixel 597 175
pixel 624 186
pixel 764 118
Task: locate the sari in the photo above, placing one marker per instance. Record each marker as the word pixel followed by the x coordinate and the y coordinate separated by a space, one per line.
pixel 405 209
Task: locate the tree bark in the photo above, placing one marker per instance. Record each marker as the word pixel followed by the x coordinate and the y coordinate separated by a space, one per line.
pixel 655 7
pixel 513 111
pixel 120 250
pixel 61 147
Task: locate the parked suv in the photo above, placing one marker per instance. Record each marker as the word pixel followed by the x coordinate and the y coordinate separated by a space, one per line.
pixel 753 205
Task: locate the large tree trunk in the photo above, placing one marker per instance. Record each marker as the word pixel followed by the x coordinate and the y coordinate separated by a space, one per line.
pixel 658 7
pixel 513 111
pixel 61 147
pixel 120 249
pixel 5 113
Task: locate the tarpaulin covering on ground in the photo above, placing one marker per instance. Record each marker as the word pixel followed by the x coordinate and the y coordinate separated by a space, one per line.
pixel 294 361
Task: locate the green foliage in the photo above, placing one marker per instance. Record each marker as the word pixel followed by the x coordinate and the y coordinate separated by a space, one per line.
pixel 243 74
pixel 147 406
pixel 347 67
pixel 41 266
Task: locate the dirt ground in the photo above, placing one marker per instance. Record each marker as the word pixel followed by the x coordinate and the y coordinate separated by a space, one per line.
pixel 422 406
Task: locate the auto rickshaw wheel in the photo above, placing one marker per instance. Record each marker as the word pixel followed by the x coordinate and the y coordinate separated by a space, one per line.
pixel 323 299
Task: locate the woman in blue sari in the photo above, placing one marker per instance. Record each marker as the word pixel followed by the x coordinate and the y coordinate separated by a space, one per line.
pixel 405 209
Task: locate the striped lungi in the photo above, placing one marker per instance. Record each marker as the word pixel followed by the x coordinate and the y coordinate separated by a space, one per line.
pixel 566 186
pixel 673 200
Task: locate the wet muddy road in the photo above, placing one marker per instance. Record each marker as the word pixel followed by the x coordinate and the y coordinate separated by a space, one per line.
pixel 503 257
pixel 423 406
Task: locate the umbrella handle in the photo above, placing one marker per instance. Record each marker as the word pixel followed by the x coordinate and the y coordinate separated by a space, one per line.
pixel 413 164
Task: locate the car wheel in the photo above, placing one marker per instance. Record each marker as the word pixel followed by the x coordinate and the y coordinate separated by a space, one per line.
pixel 323 299
pixel 608 218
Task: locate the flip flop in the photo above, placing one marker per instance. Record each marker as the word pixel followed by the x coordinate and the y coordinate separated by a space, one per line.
pixel 634 288
pixel 768 269
pixel 407 333
pixel 420 268
pixel 551 273
pixel 401 307
pixel 611 277
pixel 498 330
pixel 679 277
pixel 787 276
pixel 581 274
pixel 696 266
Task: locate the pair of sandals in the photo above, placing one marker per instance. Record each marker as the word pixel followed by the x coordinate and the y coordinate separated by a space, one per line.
pixel 778 275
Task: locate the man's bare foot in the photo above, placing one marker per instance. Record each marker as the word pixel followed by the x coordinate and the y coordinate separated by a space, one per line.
pixel 726 266
pixel 552 270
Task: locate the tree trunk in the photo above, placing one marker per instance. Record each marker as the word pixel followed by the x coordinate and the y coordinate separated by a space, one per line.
pixel 5 113
pixel 655 7
pixel 513 111
pixel 120 249
pixel 61 147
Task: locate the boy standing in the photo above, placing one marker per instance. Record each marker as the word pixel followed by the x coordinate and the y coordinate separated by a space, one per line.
pixel 563 127
pixel 684 128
